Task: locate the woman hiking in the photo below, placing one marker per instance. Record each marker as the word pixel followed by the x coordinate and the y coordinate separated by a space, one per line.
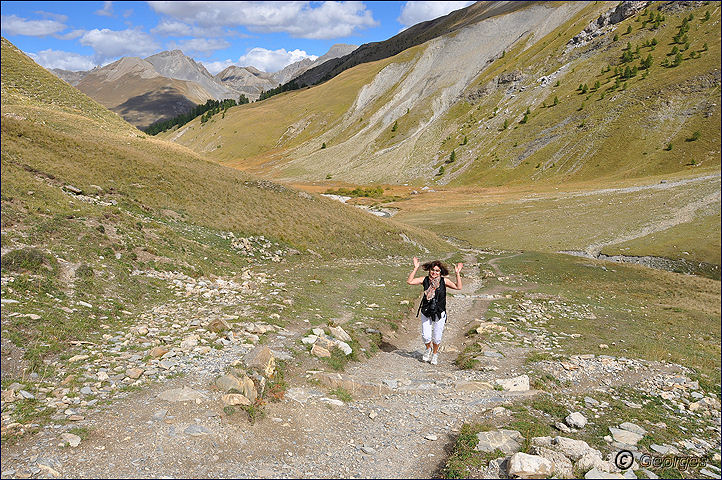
pixel 433 303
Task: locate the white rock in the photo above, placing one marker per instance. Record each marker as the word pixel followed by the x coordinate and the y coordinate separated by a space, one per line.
pixel 72 439
pixel 345 347
pixel 523 465
pixel 625 436
pixel 576 420
pixel 310 340
pixel 516 384
pixel 340 333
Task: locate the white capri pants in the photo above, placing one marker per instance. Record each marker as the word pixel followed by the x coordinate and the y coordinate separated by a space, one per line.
pixel 432 331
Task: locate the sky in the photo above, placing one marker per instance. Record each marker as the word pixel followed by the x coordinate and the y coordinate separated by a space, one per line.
pixel 267 35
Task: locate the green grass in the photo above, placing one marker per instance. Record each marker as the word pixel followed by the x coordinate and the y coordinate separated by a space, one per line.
pixel 464 460
pixel 342 394
pixel 638 310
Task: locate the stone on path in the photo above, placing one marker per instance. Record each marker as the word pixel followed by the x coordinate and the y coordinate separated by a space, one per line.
pixel 523 465
pixel 185 394
pixel 516 384
pixel 431 437
pixel 261 358
pixel 196 430
pixel 72 439
pixel 576 420
pixel 508 441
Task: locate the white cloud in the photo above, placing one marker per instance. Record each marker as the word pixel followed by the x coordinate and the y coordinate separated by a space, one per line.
pixel 416 12
pixel 219 66
pixel 14 25
pixel 272 60
pixel 55 16
pixel 299 19
pixel 65 60
pixel 174 28
pixel 117 43
pixel 106 11
pixel 201 45
pixel 72 35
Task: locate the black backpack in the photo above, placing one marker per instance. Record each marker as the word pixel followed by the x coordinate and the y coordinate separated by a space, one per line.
pixel 433 308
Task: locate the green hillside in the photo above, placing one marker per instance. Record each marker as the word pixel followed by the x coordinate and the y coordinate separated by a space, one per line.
pixel 88 202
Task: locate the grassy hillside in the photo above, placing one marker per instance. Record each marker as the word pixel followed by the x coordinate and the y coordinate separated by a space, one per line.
pixel 89 204
pixel 626 127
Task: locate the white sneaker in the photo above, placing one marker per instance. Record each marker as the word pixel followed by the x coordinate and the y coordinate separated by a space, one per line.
pixel 427 355
pixel 435 359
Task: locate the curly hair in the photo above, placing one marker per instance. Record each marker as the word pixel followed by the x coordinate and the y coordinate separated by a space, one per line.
pixel 436 263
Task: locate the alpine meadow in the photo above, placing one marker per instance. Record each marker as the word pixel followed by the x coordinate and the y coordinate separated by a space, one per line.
pixel 225 294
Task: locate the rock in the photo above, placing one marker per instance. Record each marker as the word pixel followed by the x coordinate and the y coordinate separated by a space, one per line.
pixel 235 399
pixel 508 441
pixel 77 358
pixel 590 401
pixel 373 414
pixel 86 391
pixel 184 394
pixel 631 427
pixel 189 343
pixel 625 436
pixel 318 332
pixel 261 358
pixel 340 334
pixel 345 347
pixel 26 395
pixel 218 325
pixel 134 373
pixel 229 382
pixel 84 304
pixel 523 465
pixel 72 439
pixel 573 449
pixel 576 420
pixel 159 415
pixel 320 351
pixel 594 473
pixel 516 384
pixel 591 460
pixel 309 340
pixel 103 377
pixel 562 427
pixel 431 437
pixel 499 411
pixel 331 401
pixel 561 465
pixel 196 430
pixel 158 351
pixel 603 346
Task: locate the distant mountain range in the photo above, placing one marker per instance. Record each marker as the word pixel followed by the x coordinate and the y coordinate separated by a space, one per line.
pixel 166 84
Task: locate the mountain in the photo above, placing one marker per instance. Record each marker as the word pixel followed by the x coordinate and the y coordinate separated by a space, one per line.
pixel 136 90
pixel 295 69
pixel 412 36
pixel 247 80
pixel 397 120
pixel 69 76
pixel 174 64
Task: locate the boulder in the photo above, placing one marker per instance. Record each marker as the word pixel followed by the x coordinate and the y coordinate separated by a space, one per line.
pixel 508 441
pixel 523 465
pixel 218 325
pixel 561 465
pixel 261 358
pixel 229 382
pixel 625 436
pixel 235 399
pixel 340 334
pixel 158 351
pixel 576 420
pixel 573 449
pixel 345 347
pixel 591 460
pixel 516 384
pixel 632 427
pixel 319 351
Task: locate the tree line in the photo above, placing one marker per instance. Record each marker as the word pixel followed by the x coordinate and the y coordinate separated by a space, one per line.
pixel 208 109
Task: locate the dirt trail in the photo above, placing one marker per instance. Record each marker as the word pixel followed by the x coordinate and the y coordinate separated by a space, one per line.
pixel 303 436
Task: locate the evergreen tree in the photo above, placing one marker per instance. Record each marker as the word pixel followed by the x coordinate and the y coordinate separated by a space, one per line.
pixel 629 29
pixel 452 157
pixel 506 124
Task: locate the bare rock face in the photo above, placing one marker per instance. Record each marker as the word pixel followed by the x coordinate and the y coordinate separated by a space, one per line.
pixel 622 11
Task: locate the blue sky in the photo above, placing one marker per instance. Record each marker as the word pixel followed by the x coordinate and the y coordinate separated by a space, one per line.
pixel 267 35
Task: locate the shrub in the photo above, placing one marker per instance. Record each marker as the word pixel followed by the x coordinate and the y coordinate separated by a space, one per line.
pixel 452 157
pixel 24 259
pixel 323 145
pixel 695 136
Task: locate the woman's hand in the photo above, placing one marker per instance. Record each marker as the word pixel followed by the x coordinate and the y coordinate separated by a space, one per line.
pixel 458 267
pixel 416 262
